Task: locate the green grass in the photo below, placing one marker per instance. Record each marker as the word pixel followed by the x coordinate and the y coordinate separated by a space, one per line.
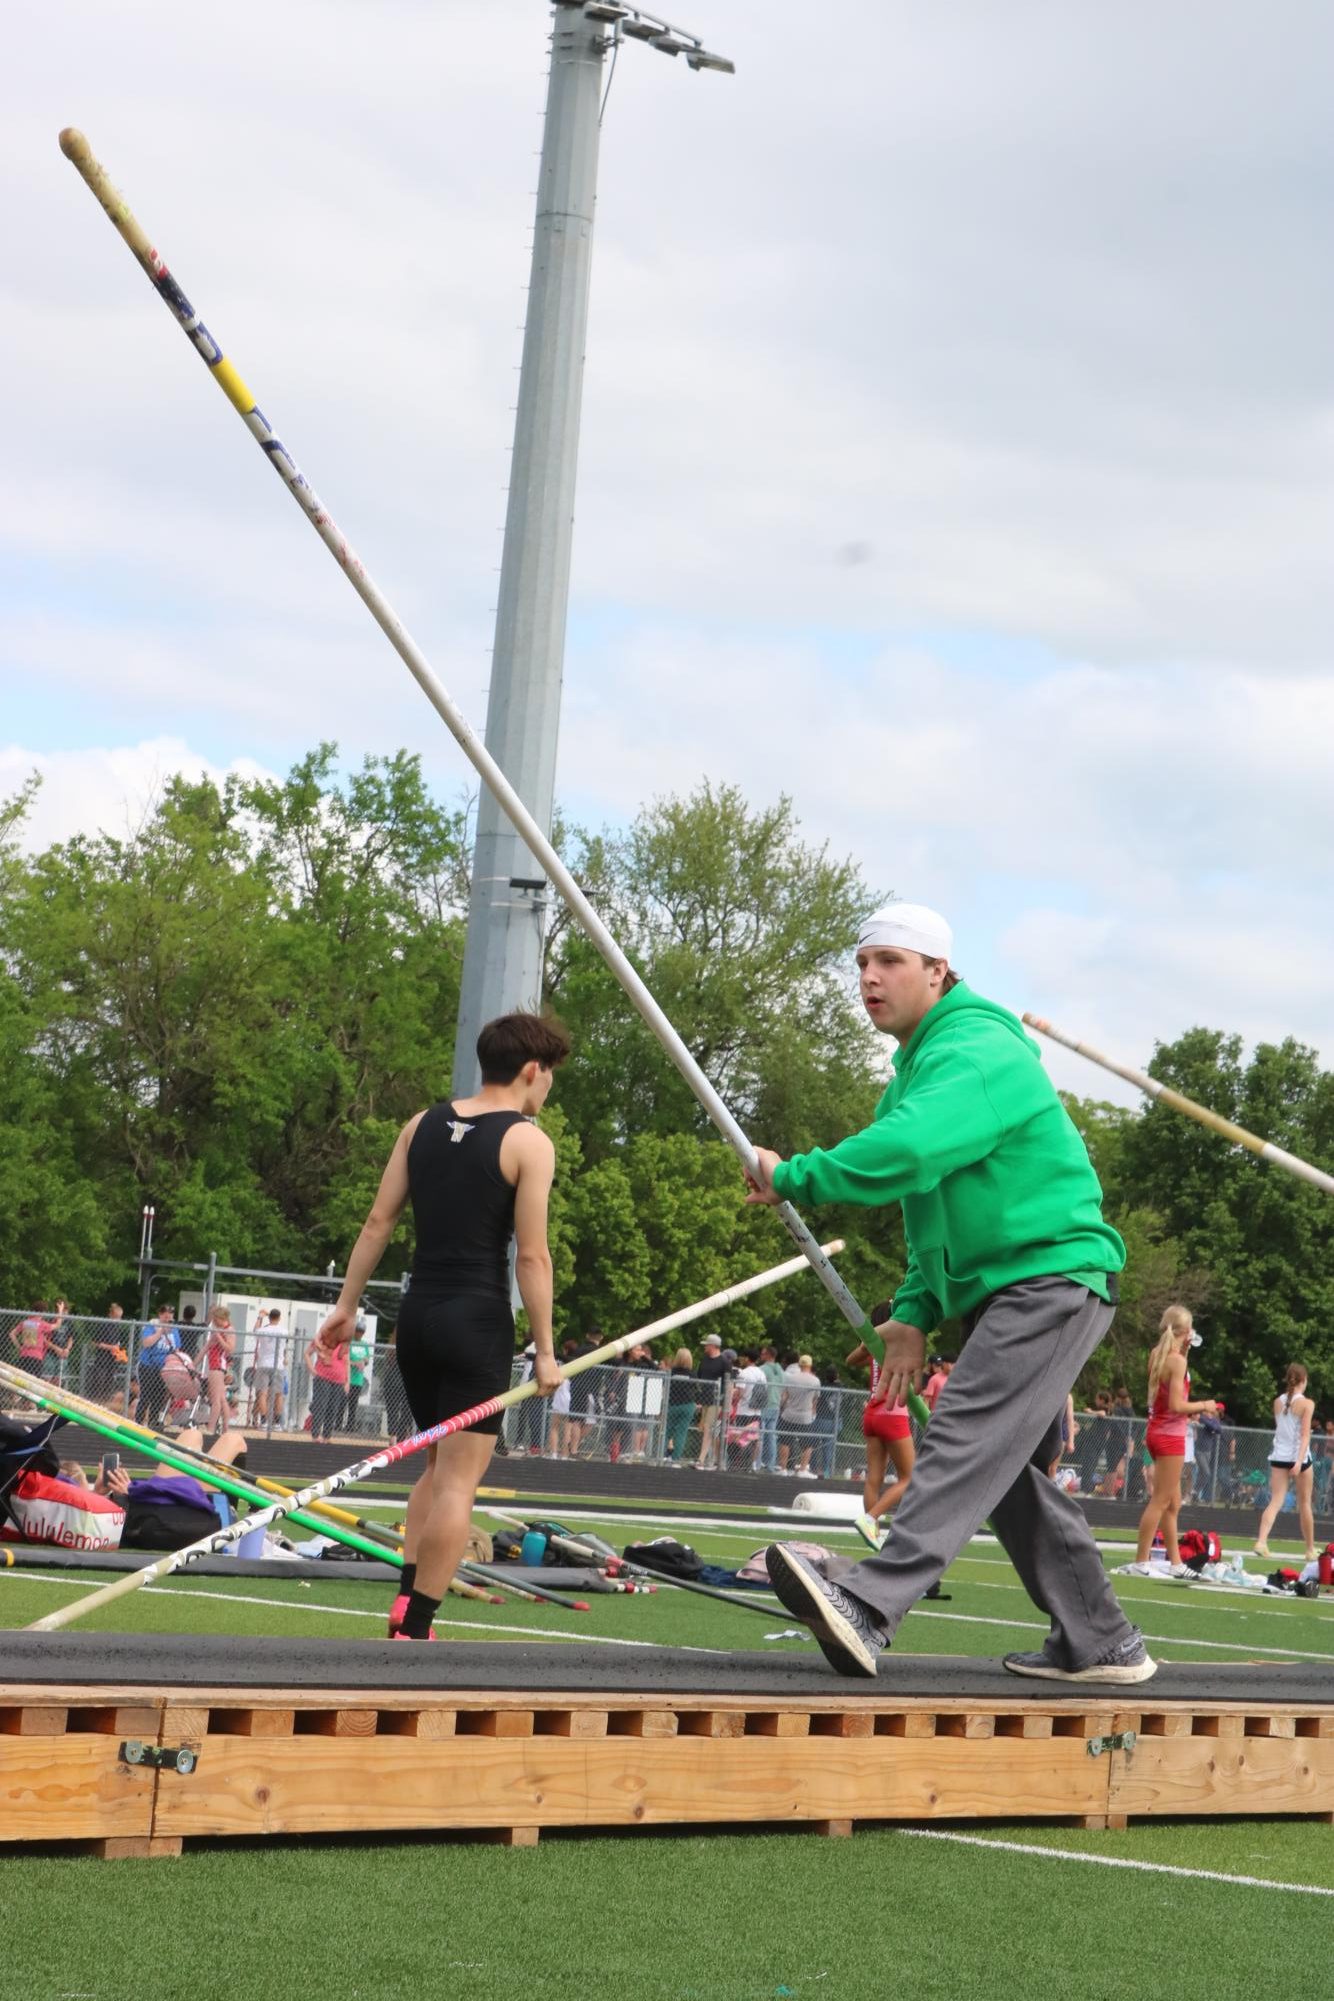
pixel 690 1917
pixel 687 1918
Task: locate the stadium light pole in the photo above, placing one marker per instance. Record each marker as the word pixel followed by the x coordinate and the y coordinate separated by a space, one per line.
pixel 502 960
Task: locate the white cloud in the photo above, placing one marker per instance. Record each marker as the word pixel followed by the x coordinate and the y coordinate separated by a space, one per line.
pixel 109 790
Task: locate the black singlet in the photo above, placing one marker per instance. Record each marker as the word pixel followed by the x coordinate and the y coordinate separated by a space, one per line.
pixel 462 1204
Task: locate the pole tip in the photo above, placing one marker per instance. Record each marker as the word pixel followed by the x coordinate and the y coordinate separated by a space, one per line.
pixel 1036 1021
pixel 74 146
pixel 834 1246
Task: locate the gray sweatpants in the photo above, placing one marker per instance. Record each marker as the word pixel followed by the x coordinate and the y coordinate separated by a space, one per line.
pixel 994 1431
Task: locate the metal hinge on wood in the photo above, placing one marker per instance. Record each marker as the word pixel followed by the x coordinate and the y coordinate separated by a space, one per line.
pixel 161 1757
pixel 1121 1740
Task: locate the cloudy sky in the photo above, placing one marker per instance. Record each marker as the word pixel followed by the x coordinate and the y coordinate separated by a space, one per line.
pixel 957 455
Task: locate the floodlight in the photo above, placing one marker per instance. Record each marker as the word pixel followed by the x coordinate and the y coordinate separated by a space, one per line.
pixel 642 31
pixel 702 59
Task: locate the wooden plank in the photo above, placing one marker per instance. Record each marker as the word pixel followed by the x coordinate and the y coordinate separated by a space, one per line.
pixel 848 1723
pixel 33 1721
pixel 642 1723
pixel 714 1723
pixel 428 1724
pixel 66 1788
pixel 182 1722
pixel 778 1723
pixel 311 1784
pixel 134 1847
pixel 571 1722
pixel 1198 1775
pixel 116 1720
pixel 495 1723
pixel 258 1722
pixel 838 1830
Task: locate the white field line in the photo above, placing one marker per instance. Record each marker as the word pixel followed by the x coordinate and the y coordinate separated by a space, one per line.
pixel 1233 1647
pixel 347 1612
pixel 1188 1597
pixel 1115 1862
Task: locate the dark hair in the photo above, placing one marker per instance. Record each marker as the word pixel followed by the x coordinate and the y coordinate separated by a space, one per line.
pixel 951 978
pixel 882 1310
pixel 511 1040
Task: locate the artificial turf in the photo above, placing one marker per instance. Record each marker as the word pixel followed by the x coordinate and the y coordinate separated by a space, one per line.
pixel 694 1917
pixel 683 1918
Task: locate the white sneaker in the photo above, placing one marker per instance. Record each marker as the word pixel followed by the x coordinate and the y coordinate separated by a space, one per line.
pixel 1138 1570
pixel 1182 1570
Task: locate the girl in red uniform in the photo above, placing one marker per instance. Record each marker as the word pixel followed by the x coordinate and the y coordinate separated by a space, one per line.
pixel 1170 1410
pixel 888 1434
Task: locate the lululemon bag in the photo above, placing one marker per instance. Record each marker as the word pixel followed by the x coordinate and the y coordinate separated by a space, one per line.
pixel 44 1508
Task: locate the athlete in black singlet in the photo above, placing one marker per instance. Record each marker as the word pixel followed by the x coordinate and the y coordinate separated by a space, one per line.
pixel 477 1171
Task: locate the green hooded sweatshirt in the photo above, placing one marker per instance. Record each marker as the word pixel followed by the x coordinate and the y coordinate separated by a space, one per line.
pixel 995 1182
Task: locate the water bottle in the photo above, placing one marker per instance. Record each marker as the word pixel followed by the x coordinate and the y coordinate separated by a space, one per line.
pixel 533 1548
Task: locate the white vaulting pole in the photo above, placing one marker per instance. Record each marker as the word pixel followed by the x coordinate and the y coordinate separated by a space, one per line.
pixel 1164 1094
pixel 222 1539
pixel 76 148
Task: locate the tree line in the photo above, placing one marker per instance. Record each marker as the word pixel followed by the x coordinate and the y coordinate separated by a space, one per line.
pixel 230 1010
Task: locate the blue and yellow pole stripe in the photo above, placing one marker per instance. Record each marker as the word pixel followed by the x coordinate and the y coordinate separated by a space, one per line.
pixel 76 149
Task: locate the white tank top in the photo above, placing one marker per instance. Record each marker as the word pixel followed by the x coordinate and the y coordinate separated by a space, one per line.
pixel 1287 1435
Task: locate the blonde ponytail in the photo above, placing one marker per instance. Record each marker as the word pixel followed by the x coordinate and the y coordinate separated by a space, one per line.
pixel 1171 1327
pixel 1294 1381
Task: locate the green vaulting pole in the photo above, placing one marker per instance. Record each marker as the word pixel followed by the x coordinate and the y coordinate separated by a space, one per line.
pixel 225 373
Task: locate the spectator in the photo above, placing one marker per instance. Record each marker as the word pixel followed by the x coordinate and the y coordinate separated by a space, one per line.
pixel 33 1334
pixel 329 1372
pixel 358 1356
pixel 582 1394
pixel 217 1360
pixel 1170 1409
pixel 1290 1462
pixel 1130 1466
pixel 712 1369
pixel 397 1416
pixel 530 1431
pixel 55 1357
pixel 769 1410
pixel 1322 1451
pixel 681 1405
pixel 828 1409
pixel 106 1375
pixel 268 1381
pixel 168 1509
pixel 1069 1433
pixel 800 1397
pixel 936 1381
pixel 157 1339
pixel 639 1362
pixel 189 1333
pixel 743 1420
pixel 558 1430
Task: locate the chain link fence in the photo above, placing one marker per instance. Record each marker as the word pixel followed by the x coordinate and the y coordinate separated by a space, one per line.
pixel 276 1381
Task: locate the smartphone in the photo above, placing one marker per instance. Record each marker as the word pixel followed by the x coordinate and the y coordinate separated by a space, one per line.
pixel 110 1463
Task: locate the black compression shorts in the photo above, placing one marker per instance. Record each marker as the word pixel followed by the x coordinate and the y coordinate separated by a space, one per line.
pixel 454 1350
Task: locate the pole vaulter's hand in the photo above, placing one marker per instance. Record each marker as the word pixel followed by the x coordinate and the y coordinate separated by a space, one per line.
pixel 338 1329
pixel 760 1187
pixel 905 1358
pixel 546 1374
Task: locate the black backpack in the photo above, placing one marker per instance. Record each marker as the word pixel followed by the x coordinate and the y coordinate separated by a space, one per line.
pixel 25 1448
pixel 671 1558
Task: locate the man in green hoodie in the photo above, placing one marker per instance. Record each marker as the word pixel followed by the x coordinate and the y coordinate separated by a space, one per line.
pixel 1002 1215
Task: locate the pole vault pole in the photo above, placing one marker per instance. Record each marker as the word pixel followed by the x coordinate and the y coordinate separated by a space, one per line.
pixel 211 1545
pixel 76 148
pixel 213 1472
pixel 1165 1095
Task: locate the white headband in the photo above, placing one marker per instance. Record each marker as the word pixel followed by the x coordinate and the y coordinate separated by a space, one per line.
pixel 908 925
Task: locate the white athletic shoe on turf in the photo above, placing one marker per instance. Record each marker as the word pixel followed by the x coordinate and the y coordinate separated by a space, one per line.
pixel 1182 1570
pixel 1127 1661
pixel 1138 1570
pixel 869 1529
pixel 848 1636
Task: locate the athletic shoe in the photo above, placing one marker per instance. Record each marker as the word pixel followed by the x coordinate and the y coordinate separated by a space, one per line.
pixel 1260 1548
pixel 869 1529
pixel 849 1638
pixel 1127 1661
pixel 412 1636
pixel 398 1612
pixel 1139 1570
pixel 1182 1570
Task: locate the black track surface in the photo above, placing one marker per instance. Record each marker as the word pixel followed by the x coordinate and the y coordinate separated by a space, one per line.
pixel 196 1661
pixel 42 1556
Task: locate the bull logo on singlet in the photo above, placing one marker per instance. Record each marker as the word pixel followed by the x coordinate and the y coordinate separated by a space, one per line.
pixel 458 1131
